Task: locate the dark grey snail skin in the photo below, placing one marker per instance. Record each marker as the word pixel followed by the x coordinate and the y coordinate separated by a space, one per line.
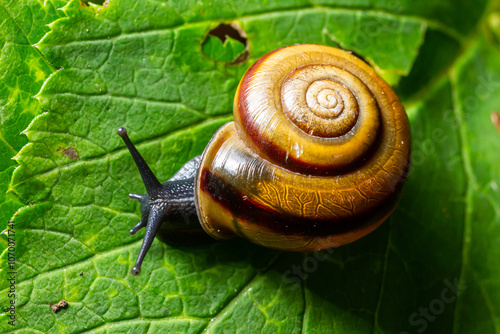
pixel 167 210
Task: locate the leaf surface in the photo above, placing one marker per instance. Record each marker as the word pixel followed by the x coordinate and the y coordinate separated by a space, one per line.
pixel 142 65
pixel 22 71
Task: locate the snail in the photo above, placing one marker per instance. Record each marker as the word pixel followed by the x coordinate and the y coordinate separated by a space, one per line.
pixel 315 158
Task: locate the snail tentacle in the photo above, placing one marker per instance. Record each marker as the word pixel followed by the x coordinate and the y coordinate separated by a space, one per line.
pixel 155 220
pixel 172 202
pixel 144 200
pixel 150 181
pixel 153 204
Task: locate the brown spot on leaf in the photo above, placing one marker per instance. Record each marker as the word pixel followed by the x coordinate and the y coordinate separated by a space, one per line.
pixel 58 306
pixel 70 152
pixel 495 119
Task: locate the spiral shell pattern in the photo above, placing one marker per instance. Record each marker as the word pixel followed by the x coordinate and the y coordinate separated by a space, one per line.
pixel 316 156
pixel 325 117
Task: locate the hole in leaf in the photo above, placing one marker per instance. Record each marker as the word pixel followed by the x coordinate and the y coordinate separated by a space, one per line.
pixel 95 2
pixel 226 43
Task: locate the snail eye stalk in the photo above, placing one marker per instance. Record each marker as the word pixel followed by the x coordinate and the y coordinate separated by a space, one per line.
pixel 150 181
pixel 152 212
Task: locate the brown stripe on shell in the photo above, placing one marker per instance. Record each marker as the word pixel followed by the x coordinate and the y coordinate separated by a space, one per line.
pixel 285 224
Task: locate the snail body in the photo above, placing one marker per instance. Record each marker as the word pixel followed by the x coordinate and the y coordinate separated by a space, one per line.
pixel 315 158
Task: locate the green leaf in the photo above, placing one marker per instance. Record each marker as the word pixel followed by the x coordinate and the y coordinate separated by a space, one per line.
pixel 23 69
pixel 143 65
pixel 227 51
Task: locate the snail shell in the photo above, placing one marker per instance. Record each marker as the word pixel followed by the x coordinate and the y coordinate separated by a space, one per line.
pixel 315 158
